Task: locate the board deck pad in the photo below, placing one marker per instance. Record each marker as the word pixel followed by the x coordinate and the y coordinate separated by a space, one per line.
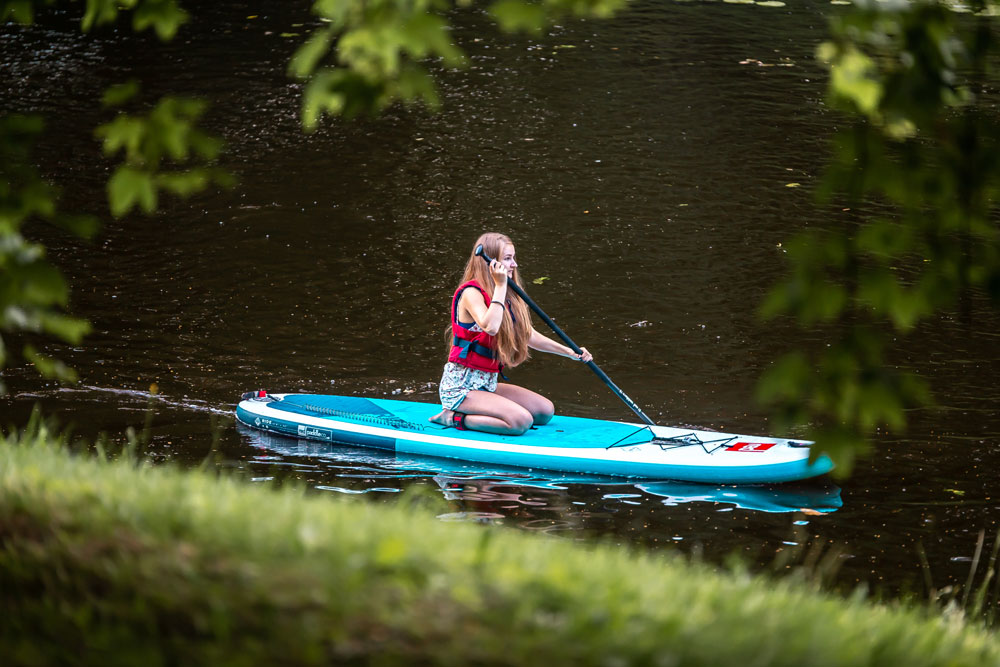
pixel 412 416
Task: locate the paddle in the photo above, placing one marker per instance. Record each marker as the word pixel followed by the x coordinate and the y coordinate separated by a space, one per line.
pixel 569 342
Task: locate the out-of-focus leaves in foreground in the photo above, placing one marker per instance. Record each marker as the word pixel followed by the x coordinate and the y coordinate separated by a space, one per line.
pixel 33 293
pixel 371 55
pixel 168 132
pixel 161 150
pixel 921 148
pixel 165 17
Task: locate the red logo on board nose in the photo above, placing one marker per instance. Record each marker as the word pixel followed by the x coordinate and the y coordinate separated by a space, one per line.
pixel 750 447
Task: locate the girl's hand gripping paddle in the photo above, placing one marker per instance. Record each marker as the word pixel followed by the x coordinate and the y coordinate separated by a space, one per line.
pixel 569 342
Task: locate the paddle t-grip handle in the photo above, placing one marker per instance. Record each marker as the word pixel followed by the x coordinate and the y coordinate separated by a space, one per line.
pixel 481 252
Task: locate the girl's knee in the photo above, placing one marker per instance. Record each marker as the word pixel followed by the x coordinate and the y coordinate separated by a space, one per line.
pixel 544 412
pixel 521 421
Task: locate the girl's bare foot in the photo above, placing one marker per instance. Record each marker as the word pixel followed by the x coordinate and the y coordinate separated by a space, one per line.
pixel 444 417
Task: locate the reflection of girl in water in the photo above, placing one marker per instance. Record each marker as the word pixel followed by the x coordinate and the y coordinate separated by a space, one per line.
pixel 490 330
pixel 488 500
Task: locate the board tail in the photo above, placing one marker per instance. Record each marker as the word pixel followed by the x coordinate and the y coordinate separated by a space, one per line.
pixel 260 394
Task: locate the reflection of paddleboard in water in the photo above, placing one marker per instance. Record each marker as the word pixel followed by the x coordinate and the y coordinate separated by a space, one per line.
pixel 565 444
pixel 411 465
pixel 456 477
pixel 785 498
pixel 811 499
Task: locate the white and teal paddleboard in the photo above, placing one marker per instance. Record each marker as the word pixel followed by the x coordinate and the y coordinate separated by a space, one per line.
pixel 567 444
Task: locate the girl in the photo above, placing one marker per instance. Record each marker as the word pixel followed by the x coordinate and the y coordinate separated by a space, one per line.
pixel 490 330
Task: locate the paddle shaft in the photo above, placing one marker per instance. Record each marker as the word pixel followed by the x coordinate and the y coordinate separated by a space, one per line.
pixel 573 346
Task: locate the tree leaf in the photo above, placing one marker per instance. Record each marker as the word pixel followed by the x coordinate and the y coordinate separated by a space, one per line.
pixel 120 93
pixel 307 56
pixel 48 366
pixel 19 11
pixel 129 187
pixel 414 85
pixel 788 378
pixel 84 226
pixel 518 16
pixel 38 283
pixel 124 132
pixel 165 16
pixel 184 183
pixel 70 329
pixel 853 79
pixel 99 12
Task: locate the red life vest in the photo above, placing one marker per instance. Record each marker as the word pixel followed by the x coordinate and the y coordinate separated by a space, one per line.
pixel 474 349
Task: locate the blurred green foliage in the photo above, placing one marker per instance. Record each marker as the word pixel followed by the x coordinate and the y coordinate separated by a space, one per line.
pixel 920 146
pixel 160 149
pixel 371 55
pixel 168 131
pixel 33 293
pixel 163 16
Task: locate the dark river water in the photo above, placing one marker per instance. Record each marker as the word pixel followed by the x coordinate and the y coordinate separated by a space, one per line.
pixel 641 164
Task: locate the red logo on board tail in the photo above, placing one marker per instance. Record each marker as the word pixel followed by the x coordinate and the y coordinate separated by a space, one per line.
pixel 750 447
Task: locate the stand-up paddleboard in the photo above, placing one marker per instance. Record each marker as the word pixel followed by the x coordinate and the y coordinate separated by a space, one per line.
pixel 567 444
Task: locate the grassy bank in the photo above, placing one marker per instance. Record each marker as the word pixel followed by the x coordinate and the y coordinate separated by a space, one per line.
pixel 122 563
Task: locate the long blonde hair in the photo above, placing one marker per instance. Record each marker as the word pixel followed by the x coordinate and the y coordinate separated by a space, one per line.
pixel 512 338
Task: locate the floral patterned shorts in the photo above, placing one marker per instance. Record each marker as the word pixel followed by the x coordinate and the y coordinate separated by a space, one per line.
pixel 457 381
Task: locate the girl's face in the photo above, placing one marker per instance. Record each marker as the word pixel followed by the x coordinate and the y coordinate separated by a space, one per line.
pixel 507 259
